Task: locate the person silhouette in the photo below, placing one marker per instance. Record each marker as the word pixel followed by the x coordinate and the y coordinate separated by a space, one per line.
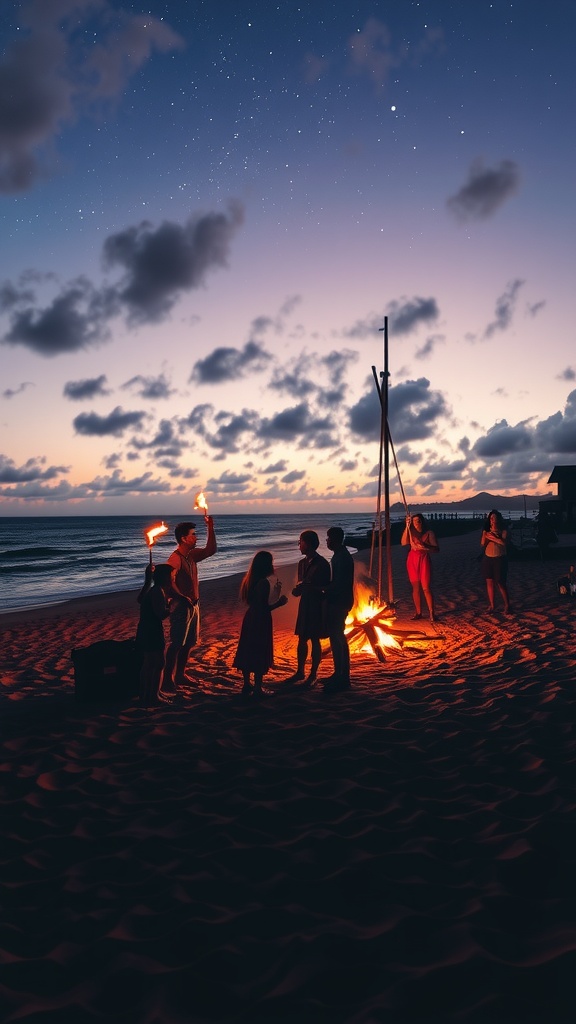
pixel 255 650
pixel 150 643
pixel 313 577
pixel 339 600
pixel 185 608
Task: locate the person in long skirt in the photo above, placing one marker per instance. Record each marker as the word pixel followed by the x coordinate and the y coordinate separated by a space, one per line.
pixel 311 625
pixel 255 652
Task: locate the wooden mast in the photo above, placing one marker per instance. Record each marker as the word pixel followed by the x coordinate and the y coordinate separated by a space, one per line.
pixel 383 479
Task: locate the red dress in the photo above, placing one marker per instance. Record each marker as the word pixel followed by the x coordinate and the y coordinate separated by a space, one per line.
pixel 255 652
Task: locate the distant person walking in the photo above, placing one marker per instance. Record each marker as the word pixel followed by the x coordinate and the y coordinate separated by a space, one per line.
pixel 339 601
pixel 495 559
pixel 313 576
pixel 255 651
pixel 421 541
pixel 150 642
pixel 184 608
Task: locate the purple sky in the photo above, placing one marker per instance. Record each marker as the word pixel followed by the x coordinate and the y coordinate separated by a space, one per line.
pixel 207 209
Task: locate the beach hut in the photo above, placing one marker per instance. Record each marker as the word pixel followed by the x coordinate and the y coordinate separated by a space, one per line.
pixel 562 509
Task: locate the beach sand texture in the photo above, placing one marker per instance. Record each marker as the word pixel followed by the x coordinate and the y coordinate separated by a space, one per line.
pixel 404 852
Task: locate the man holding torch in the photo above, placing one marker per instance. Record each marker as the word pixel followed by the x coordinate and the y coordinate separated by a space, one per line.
pixel 184 608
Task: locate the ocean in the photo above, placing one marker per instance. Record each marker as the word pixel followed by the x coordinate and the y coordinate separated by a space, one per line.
pixel 49 559
pixel 46 560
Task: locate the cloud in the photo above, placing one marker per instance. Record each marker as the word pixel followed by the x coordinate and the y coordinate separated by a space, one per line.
pixel 513 452
pixel 113 425
pixel 485 191
pixel 230 429
pixel 427 349
pixel 229 483
pixel 12 296
pixel 408 314
pixel 293 379
pixel 117 486
pixel 75 319
pixel 10 393
pixel 63 491
pixel 166 443
pixel 366 328
pixel 534 308
pixel 78 390
pixel 405 315
pixel 567 374
pixel 225 364
pixel 150 387
pixel 557 433
pixel 505 306
pixel 294 476
pixel 440 470
pixel 32 470
pixel 55 71
pixel 337 363
pixel 161 263
pixel 413 412
pixel 298 424
pixel 372 53
pixel 502 439
pixel 126 49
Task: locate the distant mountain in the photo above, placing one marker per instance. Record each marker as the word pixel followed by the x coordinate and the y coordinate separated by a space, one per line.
pixel 481 502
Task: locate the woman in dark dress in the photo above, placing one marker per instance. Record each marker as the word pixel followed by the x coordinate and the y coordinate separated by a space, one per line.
pixel 313 578
pixel 255 652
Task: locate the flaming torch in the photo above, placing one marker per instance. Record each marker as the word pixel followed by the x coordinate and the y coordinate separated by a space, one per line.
pixel 152 535
pixel 200 504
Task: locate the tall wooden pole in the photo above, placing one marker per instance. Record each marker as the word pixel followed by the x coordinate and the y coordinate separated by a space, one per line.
pixel 384 395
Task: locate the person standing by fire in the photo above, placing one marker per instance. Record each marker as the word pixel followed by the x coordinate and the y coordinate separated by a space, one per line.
pixel 339 596
pixel 313 577
pixel 184 607
pixel 418 564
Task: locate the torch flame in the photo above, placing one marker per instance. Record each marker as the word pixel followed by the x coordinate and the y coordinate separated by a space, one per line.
pixel 154 532
pixel 200 503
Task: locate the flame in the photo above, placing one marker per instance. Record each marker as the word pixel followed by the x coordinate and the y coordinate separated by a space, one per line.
pixel 367 613
pixel 200 503
pixel 154 532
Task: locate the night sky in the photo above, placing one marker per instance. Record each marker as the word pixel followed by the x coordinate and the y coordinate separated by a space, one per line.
pixel 207 209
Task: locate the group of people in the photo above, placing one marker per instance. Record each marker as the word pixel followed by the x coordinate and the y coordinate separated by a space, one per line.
pixel 326 596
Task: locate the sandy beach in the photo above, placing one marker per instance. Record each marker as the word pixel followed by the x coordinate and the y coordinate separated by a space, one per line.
pixel 400 853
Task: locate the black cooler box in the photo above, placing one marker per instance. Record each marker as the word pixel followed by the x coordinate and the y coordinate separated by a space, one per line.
pixel 106 671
